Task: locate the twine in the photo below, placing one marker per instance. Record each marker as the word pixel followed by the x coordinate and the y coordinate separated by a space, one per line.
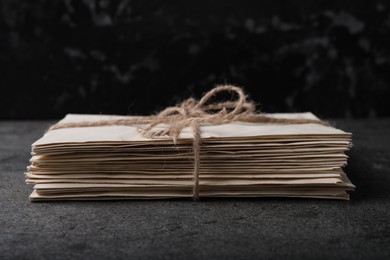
pixel 192 113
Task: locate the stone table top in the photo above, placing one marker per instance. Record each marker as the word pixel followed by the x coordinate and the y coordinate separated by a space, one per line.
pixel 208 229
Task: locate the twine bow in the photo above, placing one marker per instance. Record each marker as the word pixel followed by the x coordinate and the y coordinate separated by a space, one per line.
pixel 191 113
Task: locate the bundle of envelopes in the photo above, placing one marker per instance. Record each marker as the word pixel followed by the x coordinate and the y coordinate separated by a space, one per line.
pixel 236 160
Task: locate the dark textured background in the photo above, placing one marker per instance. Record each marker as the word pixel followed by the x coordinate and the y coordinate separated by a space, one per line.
pixel 136 57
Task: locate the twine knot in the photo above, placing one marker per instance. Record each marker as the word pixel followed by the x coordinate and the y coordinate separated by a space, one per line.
pixel 191 113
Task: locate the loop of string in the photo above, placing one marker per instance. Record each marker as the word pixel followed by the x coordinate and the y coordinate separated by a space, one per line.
pixel 191 113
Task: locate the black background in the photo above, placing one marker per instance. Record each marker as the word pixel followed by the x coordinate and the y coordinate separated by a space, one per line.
pixel 137 57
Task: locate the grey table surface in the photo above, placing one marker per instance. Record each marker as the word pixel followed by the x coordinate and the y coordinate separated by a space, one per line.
pixel 210 228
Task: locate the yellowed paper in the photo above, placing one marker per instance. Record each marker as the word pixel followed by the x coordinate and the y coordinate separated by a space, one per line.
pixel 237 159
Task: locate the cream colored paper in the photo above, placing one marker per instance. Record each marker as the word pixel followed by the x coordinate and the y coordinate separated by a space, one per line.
pixel 237 159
